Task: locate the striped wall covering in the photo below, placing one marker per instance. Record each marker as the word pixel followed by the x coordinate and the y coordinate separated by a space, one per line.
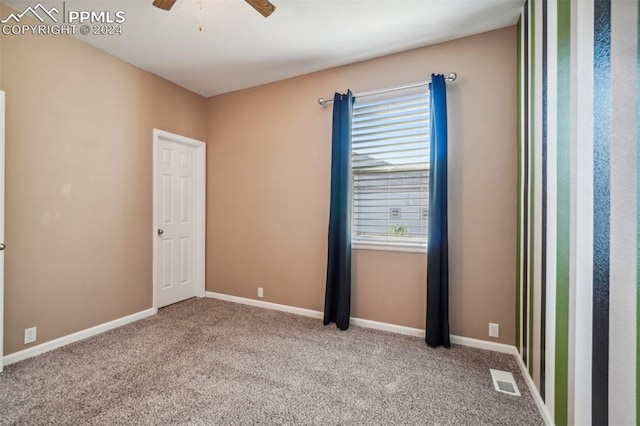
pixel 578 273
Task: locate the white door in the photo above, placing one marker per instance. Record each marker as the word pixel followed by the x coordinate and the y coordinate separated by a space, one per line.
pixel 1 226
pixel 179 194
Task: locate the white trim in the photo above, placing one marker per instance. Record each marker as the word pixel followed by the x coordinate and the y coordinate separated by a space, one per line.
pixel 392 328
pixel 2 161
pixel 535 394
pixel 361 322
pixel 484 344
pixel 407 248
pixel 154 244
pixel 199 212
pixel 74 337
pixel 267 305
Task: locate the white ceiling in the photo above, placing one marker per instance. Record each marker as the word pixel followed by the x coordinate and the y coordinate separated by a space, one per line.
pixel 238 48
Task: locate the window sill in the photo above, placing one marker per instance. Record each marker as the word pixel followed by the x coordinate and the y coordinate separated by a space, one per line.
pixel 407 248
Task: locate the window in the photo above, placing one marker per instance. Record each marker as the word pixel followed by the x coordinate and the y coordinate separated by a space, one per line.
pixel 390 164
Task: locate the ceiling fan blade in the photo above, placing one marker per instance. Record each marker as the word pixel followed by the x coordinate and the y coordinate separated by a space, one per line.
pixel 164 4
pixel 265 7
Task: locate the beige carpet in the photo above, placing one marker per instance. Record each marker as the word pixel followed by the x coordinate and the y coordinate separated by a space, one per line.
pixel 210 362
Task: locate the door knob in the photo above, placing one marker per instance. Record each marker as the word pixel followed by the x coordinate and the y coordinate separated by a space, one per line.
pixel 160 231
pixel 2 246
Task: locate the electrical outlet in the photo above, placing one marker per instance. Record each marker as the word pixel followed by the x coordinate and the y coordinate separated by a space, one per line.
pixel 494 329
pixel 30 335
pixel 260 292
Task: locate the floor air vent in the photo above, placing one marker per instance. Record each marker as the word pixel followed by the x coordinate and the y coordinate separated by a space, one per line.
pixel 503 381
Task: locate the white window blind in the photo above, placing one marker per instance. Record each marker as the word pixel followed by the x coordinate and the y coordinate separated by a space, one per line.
pixel 390 164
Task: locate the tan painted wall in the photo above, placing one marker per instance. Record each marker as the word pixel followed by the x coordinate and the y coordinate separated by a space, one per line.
pixel 79 186
pixel 269 176
pixel 1 40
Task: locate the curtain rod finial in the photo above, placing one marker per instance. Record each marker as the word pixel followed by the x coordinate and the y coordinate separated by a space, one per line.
pixel 452 76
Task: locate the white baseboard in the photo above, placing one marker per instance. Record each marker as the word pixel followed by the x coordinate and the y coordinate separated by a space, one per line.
pixel 483 344
pixel 384 326
pixel 267 305
pixel 393 328
pixel 409 331
pixel 316 314
pixel 74 337
pixel 544 411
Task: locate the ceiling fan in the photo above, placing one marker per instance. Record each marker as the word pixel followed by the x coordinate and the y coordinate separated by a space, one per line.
pixel 265 7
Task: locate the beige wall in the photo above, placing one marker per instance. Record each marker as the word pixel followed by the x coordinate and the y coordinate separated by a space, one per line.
pixel 1 40
pixel 268 190
pixel 78 183
pixel 79 186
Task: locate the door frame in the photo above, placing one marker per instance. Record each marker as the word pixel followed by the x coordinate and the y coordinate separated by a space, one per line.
pixel 2 165
pixel 199 209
